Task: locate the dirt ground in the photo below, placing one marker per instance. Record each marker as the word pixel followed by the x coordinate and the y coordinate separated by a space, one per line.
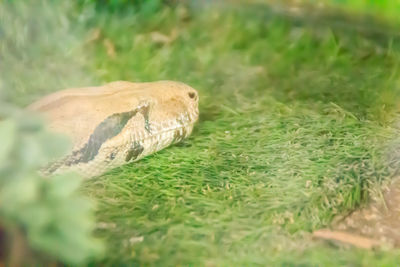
pixel 375 225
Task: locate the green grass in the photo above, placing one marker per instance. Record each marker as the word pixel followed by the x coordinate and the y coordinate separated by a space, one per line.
pixel 295 124
pixel 293 127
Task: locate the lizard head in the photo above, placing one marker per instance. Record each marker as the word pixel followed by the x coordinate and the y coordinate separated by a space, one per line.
pixel 153 108
pixel 173 105
pixel 166 113
pixel 119 122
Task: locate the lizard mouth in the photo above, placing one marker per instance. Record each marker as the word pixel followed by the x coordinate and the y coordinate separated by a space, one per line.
pixel 181 127
pixel 167 133
pixel 141 143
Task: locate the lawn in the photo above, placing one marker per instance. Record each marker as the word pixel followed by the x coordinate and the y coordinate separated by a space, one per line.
pixel 297 121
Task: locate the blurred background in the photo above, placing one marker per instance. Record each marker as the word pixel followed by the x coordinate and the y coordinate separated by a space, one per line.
pixel 299 105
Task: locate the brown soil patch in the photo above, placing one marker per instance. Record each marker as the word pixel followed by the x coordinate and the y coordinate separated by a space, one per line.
pixel 378 223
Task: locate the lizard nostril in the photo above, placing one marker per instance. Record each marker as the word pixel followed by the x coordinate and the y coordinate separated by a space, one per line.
pixel 192 95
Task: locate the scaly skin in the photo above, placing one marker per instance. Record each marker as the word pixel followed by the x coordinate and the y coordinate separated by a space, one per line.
pixel 118 123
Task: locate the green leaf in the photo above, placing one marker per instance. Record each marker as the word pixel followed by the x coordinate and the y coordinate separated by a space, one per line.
pixel 64 185
pixel 53 145
pixel 7 138
pixel 30 152
pixel 18 193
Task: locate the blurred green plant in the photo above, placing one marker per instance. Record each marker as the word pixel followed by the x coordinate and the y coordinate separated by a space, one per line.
pixel 144 6
pixel 388 9
pixel 41 50
pixel 385 10
pixel 44 219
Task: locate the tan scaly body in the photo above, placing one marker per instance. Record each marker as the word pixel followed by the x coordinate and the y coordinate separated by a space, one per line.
pixel 119 122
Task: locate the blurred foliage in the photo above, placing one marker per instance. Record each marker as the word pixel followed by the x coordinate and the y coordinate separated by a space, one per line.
pixel 40 49
pixel 387 10
pixel 43 219
pixel 41 216
pixel 144 6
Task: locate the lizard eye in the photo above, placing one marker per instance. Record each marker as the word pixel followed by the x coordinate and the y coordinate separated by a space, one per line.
pixel 192 95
